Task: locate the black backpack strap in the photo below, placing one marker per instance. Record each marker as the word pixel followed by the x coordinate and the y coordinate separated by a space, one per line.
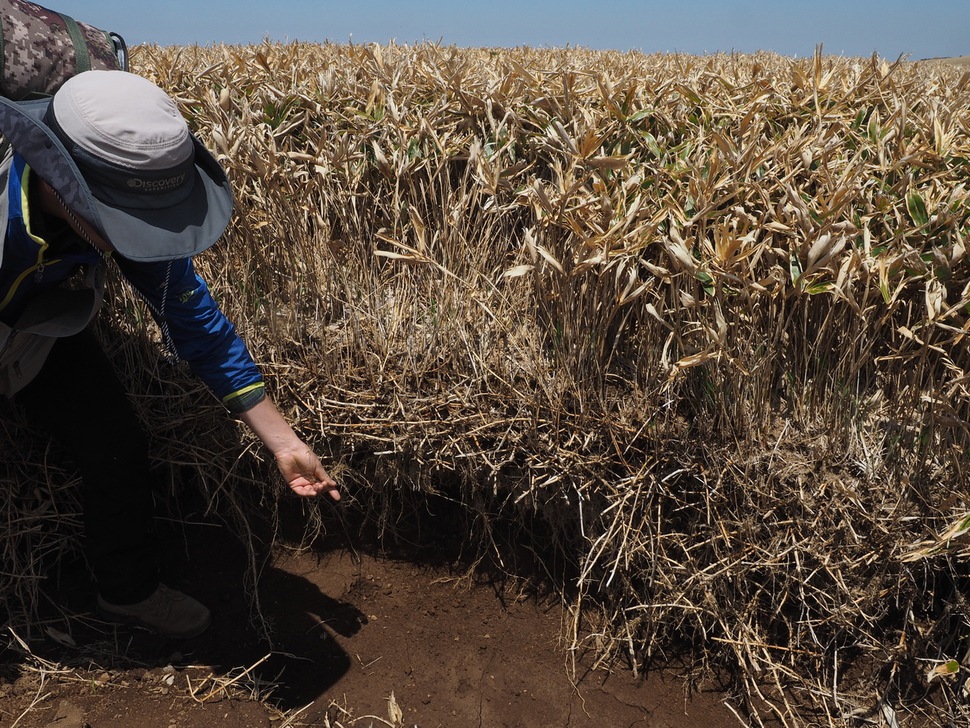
pixel 121 50
pixel 82 58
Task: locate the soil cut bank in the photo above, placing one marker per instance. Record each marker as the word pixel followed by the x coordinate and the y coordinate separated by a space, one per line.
pixel 350 631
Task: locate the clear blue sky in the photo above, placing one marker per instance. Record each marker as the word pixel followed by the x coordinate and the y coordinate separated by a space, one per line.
pixel 915 28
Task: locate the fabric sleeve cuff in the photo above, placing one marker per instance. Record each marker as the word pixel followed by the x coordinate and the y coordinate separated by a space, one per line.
pixel 245 398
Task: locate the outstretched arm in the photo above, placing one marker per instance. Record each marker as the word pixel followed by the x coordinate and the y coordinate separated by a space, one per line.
pixel 299 465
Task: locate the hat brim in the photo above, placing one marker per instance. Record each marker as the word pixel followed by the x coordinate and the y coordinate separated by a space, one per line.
pixel 179 231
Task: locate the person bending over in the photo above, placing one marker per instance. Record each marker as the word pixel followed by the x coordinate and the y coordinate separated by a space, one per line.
pixel 107 169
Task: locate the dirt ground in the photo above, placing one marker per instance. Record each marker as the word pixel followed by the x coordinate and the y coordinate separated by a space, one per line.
pixel 350 631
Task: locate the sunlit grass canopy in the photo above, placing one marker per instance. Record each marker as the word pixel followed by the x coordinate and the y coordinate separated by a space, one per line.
pixel 690 330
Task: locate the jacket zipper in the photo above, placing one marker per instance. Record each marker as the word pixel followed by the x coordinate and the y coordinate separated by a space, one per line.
pixel 37 270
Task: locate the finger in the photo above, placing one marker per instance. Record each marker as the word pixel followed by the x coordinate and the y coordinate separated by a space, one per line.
pixel 311 486
pixel 323 477
pixel 306 490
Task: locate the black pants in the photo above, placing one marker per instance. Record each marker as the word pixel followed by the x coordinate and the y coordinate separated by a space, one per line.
pixel 79 402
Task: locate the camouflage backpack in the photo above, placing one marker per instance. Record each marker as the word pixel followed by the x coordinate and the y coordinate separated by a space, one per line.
pixel 40 49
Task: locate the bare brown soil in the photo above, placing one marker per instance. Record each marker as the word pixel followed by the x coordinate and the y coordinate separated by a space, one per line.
pixel 349 631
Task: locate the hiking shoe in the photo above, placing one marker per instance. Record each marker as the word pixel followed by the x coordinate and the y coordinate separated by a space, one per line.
pixel 167 613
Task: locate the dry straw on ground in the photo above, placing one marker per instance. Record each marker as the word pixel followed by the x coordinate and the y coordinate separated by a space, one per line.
pixel 691 330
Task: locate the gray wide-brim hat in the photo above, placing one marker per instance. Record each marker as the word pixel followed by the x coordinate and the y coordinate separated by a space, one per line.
pixel 148 185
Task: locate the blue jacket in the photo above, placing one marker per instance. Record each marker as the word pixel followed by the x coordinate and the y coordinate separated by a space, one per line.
pixel 179 300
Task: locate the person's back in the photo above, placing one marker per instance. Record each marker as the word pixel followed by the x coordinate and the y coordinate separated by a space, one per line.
pixel 107 170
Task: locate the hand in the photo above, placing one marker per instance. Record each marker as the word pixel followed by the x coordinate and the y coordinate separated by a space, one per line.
pixel 304 473
pixel 299 465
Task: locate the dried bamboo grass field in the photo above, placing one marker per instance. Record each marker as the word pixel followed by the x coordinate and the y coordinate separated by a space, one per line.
pixel 690 332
